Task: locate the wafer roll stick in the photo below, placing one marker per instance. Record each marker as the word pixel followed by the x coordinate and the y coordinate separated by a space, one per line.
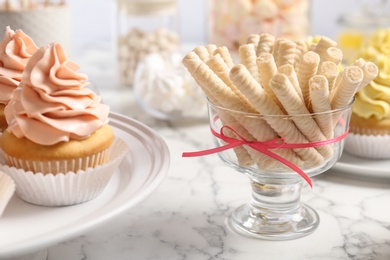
pixel 330 71
pixel 243 156
pixel 350 80
pixel 266 44
pixel 300 49
pixel 220 68
pixel 248 58
pixel 267 69
pixel 285 153
pixel 243 153
pixel 359 62
pixel 248 128
pixel 308 67
pixel 264 105
pixel 323 45
pixel 202 52
pixel 243 125
pixel 312 47
pixel 319 93
pixel 210 49
pixel 191 61
pixel 212 85
pixel 294 106
pixel 225 54
pixel 332 54
pixel 286 53
pixel 336 83
pixel 275 50
pixel 347 82
pixel 370 71
pixel 253 39
pixel 289 71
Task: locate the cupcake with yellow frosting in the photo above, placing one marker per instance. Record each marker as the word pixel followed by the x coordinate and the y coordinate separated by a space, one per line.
pixel 15 50
pixel 370 122
pixel 58 146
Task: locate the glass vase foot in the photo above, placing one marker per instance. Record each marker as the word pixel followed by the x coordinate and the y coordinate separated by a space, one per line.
pixel 274 226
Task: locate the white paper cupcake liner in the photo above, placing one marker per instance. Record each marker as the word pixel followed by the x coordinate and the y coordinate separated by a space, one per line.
pixel 368 146
pixel 59 166
pixel 7 190
pixel 69 188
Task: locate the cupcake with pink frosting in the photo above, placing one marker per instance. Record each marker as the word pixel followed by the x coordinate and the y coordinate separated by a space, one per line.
pixel 58 146
pixel 15 50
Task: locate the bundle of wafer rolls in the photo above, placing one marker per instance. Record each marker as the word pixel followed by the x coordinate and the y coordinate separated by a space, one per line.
pixel 277 76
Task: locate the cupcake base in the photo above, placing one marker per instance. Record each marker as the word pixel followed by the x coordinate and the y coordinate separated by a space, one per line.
pixel 368 146
pixel 70 188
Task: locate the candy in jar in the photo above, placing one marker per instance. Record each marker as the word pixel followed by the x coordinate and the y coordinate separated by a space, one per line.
pixel 144 27
pixel 231 21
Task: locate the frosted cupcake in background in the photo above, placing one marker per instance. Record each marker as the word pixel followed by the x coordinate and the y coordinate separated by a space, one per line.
pixel 58 146
pixel 15 50
pixel 370 122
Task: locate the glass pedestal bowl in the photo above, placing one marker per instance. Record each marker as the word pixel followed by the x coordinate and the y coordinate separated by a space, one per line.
pixel 277 167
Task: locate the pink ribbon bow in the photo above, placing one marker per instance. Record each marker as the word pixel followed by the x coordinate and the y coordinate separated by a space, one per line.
pixel 263 147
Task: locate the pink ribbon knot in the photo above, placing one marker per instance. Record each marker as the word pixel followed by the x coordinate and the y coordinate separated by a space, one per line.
pixel 263 147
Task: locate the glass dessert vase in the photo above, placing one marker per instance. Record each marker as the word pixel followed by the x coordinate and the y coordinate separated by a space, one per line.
pixel 277 165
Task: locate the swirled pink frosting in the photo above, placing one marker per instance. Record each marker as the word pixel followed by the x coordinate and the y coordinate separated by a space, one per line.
pixel 15 50
pixel 51 104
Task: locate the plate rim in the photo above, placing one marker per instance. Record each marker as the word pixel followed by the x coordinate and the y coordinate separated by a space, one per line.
pixel 359 169
pixel 48 239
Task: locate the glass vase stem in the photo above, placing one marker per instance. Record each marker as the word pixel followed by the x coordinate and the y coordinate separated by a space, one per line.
pixel 276 198
pixel 275 212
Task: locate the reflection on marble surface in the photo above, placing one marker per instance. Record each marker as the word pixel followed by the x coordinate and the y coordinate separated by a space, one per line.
pixel 185 217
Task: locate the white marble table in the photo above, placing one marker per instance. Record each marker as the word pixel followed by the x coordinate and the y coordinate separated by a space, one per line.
pixel 185 217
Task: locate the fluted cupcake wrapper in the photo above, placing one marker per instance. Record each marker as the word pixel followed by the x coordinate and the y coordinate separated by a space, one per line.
pixel 368 146
pixel 70 188
pixel 59 166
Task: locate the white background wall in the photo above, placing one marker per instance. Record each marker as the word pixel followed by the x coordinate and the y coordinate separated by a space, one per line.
pixel 95 19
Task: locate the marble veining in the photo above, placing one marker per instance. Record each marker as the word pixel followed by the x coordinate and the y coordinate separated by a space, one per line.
pixel 185 217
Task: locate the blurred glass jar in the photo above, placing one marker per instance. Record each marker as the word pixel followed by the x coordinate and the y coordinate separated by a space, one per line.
pixel 43 21
pixel 232 21
pixel 356 27
pixel 166 90
pixel 143 27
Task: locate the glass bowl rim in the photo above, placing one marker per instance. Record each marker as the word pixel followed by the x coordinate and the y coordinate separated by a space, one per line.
pixel 330 112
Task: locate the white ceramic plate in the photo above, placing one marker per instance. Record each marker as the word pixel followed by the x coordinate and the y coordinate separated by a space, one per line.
pixel 25 228
pixel 362 166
